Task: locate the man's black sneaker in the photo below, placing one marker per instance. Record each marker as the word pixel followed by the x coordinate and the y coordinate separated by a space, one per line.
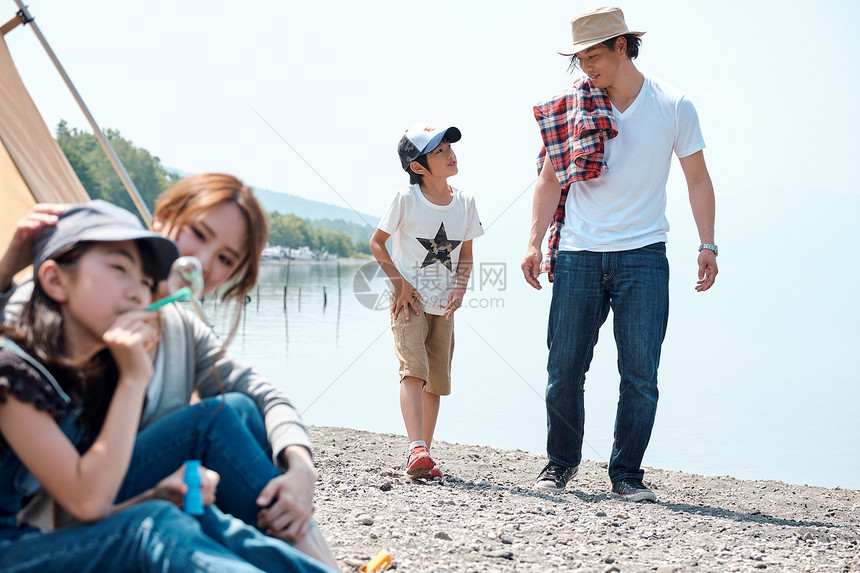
pixel 554 477
pixel 632 490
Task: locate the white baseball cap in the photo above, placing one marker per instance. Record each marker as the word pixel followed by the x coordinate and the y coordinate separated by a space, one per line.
pixel 423 138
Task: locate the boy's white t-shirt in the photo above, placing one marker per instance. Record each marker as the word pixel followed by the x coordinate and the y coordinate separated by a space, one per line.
pixel 426 240
pixel 625 208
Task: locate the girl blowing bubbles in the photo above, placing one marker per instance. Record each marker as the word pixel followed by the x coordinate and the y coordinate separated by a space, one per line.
pixel 73 376
pixel 215 218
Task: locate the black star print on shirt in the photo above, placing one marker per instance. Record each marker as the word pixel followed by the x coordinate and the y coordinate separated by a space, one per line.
pixel 438 249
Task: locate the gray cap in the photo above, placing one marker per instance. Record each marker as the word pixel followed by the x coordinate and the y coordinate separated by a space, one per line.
pixel 101 221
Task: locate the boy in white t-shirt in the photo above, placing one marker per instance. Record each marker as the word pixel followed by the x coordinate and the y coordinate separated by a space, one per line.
pixel 432 225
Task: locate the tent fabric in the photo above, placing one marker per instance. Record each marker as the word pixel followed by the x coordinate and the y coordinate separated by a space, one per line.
pixel 15 197
pixel 33 168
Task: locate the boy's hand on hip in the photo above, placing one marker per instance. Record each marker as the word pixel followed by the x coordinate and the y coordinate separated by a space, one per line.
pixel 406 298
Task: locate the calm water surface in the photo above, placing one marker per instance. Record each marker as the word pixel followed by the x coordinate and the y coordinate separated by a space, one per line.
pixel 753 384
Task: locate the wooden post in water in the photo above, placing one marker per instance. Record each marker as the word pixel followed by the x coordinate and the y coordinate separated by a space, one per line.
pixel 338 284
pixel 325 298
pixel 300 299
pixel 244 318
pixel 286 283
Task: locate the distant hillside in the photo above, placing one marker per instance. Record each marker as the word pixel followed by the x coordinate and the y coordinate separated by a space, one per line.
pixel 358 232
pixel 306 223
pixel 284 203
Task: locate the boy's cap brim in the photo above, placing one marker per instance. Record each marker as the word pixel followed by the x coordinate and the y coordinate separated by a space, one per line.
pixel 421 139
pixel 100 221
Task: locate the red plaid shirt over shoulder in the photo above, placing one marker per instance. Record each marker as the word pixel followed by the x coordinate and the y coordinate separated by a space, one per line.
pixel 573 126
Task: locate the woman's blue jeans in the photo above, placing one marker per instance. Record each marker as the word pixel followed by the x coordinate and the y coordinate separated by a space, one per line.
pixel 635 285
pixel 226 433
pixel 155 536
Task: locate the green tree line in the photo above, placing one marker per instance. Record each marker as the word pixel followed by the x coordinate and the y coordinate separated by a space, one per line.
pixel 99 178
pixel 292 231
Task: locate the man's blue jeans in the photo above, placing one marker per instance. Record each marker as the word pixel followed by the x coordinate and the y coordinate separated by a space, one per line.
pixel 635 285
pixel 155 536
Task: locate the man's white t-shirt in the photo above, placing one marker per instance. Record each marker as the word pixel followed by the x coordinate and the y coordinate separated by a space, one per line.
pixel 625 208
pixel 426 240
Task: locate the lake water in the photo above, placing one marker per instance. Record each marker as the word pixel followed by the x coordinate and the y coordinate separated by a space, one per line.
pixel 754 383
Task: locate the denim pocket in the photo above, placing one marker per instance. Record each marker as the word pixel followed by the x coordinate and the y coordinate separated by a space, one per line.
pixel 656 248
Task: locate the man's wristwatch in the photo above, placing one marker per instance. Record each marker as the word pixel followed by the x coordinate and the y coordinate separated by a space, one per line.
pixel 708 246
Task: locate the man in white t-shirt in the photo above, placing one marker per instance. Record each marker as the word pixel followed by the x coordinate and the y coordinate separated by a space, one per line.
pixel 602 185
pixel 431 225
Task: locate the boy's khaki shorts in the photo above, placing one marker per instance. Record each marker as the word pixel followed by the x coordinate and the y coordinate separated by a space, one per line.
pixel 425 345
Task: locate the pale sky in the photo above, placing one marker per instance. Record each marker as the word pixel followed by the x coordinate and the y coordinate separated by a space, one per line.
pixel 340 81
pixel 200 83
pixel 773 83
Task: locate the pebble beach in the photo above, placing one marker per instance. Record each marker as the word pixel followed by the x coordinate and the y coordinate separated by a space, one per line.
pixel 483 516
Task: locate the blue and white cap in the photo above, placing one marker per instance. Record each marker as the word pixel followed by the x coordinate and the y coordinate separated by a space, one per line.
pixel 422 138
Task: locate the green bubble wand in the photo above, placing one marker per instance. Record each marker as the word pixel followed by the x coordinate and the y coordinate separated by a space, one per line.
pixel 185 281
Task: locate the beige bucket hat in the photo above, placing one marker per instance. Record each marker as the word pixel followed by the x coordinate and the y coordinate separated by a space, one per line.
pixel 591 27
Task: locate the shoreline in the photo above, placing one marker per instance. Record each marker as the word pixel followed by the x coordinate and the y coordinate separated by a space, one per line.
pixel 484 517
pixel 342 260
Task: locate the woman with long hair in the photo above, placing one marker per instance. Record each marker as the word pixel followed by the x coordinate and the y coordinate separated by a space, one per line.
pixel 74 372
pixel 216 219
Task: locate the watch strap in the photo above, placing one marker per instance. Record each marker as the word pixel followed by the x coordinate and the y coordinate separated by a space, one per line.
pixel 709 246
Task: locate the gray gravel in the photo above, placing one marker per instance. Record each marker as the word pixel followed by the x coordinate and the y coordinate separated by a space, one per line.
pixel 483 516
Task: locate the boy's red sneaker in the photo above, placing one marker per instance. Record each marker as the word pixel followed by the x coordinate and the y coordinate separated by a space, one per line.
pixel 435 472
pixel 420 464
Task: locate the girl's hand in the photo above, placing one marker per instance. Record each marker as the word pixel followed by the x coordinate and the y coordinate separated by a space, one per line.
pixel 173 488
pixel 20 251
pixel 406 298
pixel 129 339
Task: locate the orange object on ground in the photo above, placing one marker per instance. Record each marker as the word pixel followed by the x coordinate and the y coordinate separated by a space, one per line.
pixel 379 563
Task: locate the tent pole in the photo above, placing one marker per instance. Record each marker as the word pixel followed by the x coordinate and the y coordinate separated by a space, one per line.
pixel 16 20
pixel 26 18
